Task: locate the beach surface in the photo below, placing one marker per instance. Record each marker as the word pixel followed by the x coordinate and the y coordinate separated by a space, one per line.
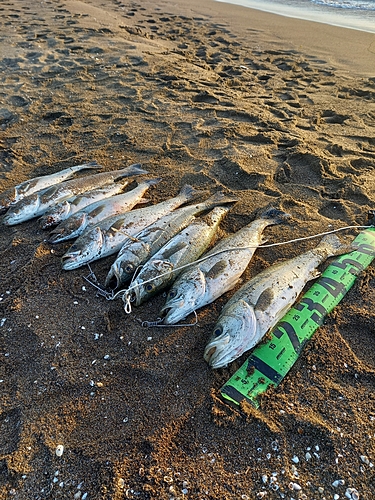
pixel 277 111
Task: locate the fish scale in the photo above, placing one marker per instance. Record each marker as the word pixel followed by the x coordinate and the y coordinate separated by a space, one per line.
pixel 271 361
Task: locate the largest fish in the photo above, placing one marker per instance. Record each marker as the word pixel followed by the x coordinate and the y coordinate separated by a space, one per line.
pixel 30 186
pixel 39 202
pixel 262 302
pixel 220 271
pixel 107 237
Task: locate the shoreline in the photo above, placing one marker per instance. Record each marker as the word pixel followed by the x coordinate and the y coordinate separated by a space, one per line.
pixel 348 49
pixel 336 17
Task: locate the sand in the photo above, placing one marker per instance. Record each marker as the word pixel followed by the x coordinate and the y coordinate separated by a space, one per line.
pixel 274 110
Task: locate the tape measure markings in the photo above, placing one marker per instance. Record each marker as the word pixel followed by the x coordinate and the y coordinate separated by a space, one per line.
pixel 270 362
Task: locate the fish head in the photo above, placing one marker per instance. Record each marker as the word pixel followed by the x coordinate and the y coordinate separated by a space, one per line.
pixel 184 297
pixel 127 263
pixel 84 250
pixel 23 210
pixel 57 214
pixel 72 227
pixel 232 336
pixel 151 279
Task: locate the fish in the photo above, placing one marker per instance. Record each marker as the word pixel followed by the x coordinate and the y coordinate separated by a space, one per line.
pixel 30 186
pixel 89 216
pixel 219 272
pixel 182 249
pixel 259 304
pixel 38 203
pixel 107 237
pixel 137 250
pixel 66 208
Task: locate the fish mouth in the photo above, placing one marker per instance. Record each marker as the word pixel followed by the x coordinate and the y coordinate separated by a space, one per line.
pixel 215 353
pixel 172 314
pixel 68 261
pixel 112 280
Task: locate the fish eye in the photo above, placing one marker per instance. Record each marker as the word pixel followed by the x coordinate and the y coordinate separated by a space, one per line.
pixel 218 331
pixel 172 294
pixel 129 268
pixel 150 287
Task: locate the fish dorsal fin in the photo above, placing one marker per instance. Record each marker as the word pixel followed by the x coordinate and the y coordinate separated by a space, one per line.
pixel 265 299
pixel 96 211
pixel 174 249
pixel 216 269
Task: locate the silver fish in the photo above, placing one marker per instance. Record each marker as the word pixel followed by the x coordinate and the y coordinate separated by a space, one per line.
pixel 262 302
pixel 182 249
pixel 17 193
pixel 66 208
pixel 108 236
pixel 39 202
pixel 136 251
pixel 91 215
pixel 205 282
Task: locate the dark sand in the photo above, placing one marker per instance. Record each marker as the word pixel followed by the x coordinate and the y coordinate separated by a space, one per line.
pixel 275 110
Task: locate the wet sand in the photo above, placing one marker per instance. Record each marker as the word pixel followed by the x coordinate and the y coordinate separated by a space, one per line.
pixel 274 110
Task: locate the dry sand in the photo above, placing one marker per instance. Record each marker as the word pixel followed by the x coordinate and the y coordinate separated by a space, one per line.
pixel 275 110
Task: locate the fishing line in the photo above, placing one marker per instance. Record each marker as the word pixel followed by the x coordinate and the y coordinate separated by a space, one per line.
pixel 127 296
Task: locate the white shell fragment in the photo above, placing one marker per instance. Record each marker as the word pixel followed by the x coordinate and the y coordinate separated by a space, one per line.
pixel 352 494
pixel 59 450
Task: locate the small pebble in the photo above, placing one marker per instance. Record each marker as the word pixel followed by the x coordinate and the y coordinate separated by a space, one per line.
pixel 77 495
pixel 308 456
pixel 336 496
pixel 265 479
pixel 338 482
pixel 59 450
pixel 365 459
pixel 295 459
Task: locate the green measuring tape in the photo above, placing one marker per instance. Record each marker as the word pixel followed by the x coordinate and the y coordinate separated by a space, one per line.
pixel 270 362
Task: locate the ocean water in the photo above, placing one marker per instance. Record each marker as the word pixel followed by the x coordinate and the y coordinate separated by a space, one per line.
pixel 355 14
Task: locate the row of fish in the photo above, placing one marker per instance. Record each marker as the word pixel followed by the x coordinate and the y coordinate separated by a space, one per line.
pixel 165 243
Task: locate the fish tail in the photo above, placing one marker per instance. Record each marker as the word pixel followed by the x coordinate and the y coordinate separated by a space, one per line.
pixel 189 193
pixel 219 198
pixel 134 169
pixel 152 182
pixel 274 215
pixel 333 246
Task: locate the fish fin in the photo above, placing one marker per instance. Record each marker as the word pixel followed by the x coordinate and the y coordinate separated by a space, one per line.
pixel 88 166
pixel 217 269
pixel 95 211
pixel 152 182
pixel 265 299
pixel 189 192
pixel 220 198
pixel 132 170
pixel 174 249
